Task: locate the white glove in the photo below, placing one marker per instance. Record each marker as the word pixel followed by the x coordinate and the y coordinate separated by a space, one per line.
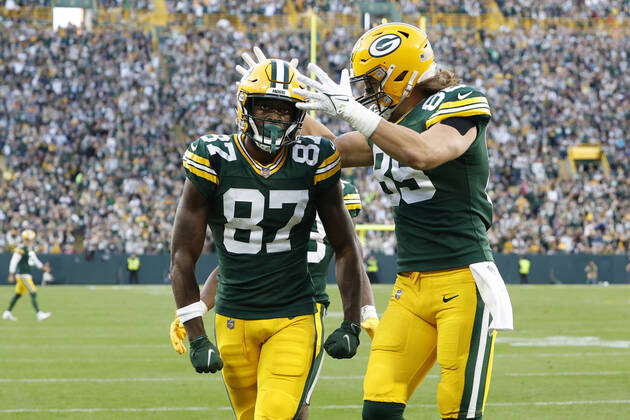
pixel 336 100
pixel 260 56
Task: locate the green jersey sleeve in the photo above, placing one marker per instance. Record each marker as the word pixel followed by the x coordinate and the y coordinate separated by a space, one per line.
pixel 328 166
pixel 351 198
pixel 456 101
pixel 199 168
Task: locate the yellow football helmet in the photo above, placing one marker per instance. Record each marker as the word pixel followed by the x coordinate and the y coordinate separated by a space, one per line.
pixel 28 235
pixel 271 81
pixel 387 62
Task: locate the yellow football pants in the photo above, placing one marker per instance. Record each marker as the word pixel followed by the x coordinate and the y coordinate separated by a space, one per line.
pixel 433 315
pixel 270 365
pixel 24 283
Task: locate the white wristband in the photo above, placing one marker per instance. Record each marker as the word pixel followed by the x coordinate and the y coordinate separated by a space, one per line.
pixel 361 119
pixel 367 312
pixel 192 311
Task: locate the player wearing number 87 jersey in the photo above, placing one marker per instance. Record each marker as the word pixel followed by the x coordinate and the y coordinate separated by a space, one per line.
pixel 424 134
pixel 259 190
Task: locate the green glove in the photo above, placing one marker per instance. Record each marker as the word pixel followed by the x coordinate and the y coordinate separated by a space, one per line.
pixel 343 342
pixel 204 356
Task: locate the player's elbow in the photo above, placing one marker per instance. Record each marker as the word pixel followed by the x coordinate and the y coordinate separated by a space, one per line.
pixel 420 161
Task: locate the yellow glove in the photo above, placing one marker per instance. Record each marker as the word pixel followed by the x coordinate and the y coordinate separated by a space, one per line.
pixel 177 333
pixel 370 325
pixel 369 320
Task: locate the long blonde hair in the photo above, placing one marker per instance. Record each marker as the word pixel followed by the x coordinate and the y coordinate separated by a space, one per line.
pixel 442 80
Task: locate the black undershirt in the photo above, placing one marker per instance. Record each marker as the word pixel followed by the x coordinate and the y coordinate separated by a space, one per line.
pixel 460 124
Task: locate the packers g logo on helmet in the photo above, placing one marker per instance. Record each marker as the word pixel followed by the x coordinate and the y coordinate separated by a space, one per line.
pixel 387 62
pixel 384 45
pixel 269 80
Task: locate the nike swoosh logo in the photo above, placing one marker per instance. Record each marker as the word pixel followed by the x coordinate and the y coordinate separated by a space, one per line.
pixel 210 356
pixel 445 299
pixel 347 340
pixel 193 146
pixel 460 96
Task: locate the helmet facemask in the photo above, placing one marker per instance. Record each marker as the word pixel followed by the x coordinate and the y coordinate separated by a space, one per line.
pixel 270 134
pixel 367 89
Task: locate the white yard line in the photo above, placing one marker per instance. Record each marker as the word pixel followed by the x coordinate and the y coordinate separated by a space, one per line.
pixel 314 407
pixel 218 378
pixel 167 357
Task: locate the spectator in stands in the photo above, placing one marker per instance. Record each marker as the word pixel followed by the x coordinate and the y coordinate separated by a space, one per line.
pixel 121 124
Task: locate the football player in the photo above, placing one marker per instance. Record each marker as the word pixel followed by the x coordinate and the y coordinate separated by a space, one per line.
pixel 320 252
pixel 424 134
pixel 24 257
pixel 259 191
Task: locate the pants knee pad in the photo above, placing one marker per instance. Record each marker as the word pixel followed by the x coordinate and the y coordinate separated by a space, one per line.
pixel 375 410
pixel 276 405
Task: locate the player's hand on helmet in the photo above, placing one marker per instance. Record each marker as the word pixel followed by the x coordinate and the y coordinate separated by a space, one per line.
pixel 260 56
pixel 177 333
pixel 204 355
pixel 344 341
pixel 336 100
pixel 369 320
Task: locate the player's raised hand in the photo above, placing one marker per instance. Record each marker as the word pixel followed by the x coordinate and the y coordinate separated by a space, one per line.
pixel 336 100
pixel 204 356
pixel 344 341
pixel 177 333
pixel 260 56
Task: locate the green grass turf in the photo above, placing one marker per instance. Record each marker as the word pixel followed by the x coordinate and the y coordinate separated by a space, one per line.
pixel 106 348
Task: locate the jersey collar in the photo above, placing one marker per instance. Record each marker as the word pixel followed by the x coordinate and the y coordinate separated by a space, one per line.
pixel 262 170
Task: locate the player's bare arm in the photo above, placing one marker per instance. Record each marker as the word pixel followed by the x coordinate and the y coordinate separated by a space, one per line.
pixel 354 150
pixel 431 148
pixel 340 233
pixel 189 232
pixel 312 127
pixel 209 289
pixel 343 342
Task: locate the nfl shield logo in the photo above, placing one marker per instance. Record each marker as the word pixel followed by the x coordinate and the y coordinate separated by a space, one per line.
pixel 230 324
pixel 398 293
pixel 265 172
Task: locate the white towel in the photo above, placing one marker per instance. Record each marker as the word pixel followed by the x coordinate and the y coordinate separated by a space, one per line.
pixel 494 294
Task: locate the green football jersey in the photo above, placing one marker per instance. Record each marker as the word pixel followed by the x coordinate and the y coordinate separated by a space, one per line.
pixel 261 217
pixel 441 214
pixel 320 252
pixel 23 265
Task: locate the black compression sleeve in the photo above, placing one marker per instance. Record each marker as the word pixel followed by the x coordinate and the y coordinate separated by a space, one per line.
pixel 460 124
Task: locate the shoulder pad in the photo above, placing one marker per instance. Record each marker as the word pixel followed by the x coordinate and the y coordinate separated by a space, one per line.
pixel 456 101
pixel 198 161
pixel 328 161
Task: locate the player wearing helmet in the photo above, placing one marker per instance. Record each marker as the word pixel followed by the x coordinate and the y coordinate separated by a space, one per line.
pixel 259 191
pixel 23 259
pixel 424 134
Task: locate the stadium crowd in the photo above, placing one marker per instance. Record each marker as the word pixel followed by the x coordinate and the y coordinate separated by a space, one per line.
pixel 93 126
pixel 522 8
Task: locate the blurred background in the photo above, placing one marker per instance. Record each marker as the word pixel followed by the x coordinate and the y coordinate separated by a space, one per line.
pixel 98 99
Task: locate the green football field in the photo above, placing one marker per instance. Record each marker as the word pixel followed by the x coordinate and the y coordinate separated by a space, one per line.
pixel 104 354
